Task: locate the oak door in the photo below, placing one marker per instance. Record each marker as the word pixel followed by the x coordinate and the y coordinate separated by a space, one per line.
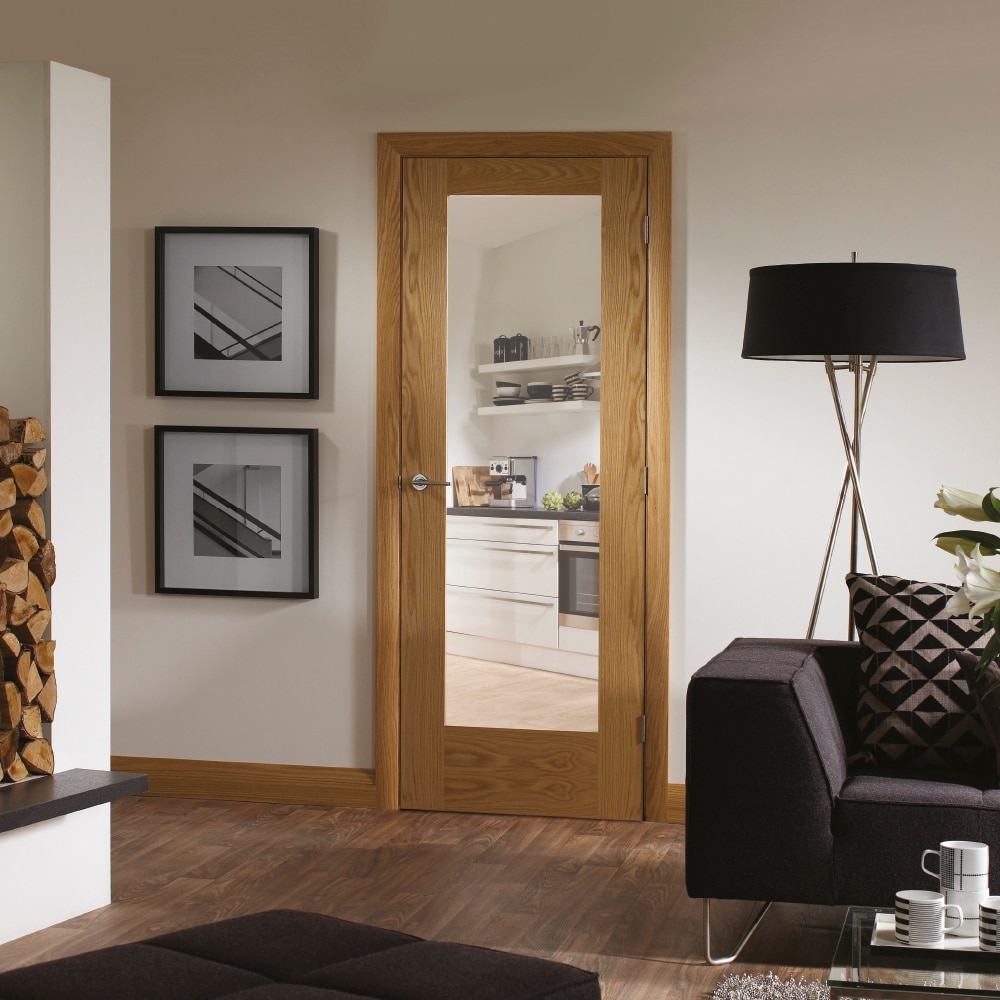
pixel 588 772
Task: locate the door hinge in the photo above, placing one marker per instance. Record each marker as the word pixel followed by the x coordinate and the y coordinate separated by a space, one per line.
pixel 645 230
pixel 642 728
pixel 645 480
pixel 399 482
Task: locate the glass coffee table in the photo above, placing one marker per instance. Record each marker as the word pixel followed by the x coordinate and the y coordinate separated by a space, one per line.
pixel 891 971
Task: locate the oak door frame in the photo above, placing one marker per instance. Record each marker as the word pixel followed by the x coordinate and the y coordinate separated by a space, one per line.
pixel 393 148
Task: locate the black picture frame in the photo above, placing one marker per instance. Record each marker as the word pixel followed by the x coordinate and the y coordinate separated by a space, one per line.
pixel 236 311
pixel 235 511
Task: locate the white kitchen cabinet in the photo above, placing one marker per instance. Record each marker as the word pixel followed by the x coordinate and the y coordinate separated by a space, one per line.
pixel 494 614
pixel 502 577
pixel 517 530
pixel 503 566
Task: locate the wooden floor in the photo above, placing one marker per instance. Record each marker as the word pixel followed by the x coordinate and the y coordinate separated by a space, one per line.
pixel 606 896
pixel 505 696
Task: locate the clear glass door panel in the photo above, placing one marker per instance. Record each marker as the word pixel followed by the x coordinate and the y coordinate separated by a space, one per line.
pixel 523 429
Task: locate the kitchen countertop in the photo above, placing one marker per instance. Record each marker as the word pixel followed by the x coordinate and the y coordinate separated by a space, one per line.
pixel 530 512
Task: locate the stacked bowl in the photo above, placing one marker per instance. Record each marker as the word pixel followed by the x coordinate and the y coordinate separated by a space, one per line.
pixel 508 393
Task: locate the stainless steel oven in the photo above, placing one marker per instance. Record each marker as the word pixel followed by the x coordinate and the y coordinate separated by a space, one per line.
pixel 579 580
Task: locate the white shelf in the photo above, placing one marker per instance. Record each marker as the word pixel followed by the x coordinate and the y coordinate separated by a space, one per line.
pixel 519 410
pixel 566 361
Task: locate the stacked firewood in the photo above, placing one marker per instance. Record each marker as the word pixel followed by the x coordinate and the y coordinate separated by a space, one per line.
pixel 27 572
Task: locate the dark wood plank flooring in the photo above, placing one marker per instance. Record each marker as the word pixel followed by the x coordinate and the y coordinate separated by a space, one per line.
pixel 607 896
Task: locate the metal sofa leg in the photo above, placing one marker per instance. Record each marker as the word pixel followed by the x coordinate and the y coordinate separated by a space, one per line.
pixel 707 910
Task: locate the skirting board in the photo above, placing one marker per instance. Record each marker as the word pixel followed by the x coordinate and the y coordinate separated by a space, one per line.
pixel 676 799
pixel 283 784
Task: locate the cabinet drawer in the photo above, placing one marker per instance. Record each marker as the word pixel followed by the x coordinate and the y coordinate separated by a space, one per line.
pixel 516 618
pixel 520 569
pixel 503 529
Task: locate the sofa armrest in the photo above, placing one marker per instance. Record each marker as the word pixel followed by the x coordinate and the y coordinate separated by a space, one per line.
pixel 766 758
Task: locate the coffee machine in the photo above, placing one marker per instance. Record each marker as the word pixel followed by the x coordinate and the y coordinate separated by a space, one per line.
pixel 512 480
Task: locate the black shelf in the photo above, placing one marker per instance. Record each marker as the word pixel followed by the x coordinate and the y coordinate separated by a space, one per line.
pixel 35 800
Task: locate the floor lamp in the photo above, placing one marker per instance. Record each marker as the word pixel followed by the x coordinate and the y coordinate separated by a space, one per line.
pixel 852 317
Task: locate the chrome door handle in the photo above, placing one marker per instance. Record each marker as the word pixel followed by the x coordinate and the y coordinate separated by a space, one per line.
pixel 421 482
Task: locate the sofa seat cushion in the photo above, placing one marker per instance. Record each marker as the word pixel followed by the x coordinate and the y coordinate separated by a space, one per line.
pixel 287 991
pixel 884 821
pixel 293 955
pixel 914 707
pixel 429 970
pixel 130 970
pixel 282 944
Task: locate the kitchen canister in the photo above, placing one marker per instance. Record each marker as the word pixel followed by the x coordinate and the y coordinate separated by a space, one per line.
pixel 518 348
pixel 501 349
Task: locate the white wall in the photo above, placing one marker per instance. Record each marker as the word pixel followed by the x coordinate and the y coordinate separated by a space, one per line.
pixel 55 210
pixel 803 131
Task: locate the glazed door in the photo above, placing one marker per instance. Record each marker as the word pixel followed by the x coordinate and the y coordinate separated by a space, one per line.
pixel 460 748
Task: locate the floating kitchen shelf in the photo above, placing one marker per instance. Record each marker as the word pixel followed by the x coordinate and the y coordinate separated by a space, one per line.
pixel 570 406
pixel 566 361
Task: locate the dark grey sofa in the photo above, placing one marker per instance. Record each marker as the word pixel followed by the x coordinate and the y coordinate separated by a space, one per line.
pixel 775 812
pixel 295 955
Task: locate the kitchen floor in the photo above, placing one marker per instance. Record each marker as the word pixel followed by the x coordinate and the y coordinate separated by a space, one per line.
pixel 503 696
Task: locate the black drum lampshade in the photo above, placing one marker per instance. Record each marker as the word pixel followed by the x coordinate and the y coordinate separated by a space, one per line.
pixel 892 312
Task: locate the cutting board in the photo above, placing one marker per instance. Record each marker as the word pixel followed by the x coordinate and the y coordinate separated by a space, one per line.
pixel 468 485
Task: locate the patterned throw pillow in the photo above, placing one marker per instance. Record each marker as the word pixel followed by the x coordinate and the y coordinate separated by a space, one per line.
pixel 915 709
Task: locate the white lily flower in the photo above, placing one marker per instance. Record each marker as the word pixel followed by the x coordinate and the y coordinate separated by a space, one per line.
pixel 961 503
pixel 959 604
pixel 980 584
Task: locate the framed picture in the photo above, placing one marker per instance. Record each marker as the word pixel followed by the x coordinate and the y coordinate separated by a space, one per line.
pixel 236 312
pixel 235 511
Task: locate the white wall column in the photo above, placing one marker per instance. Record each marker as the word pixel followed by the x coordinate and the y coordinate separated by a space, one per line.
pixel 55 222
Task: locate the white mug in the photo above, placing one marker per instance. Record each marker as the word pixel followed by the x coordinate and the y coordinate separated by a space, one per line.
pixel 989 917
pixel 968 902
pixel 962 864
pixel 922 916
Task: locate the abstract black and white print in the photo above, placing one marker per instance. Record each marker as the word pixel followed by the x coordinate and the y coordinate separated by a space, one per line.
pixel 237 511
pixel 237 313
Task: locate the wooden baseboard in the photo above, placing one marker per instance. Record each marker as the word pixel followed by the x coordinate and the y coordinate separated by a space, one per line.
pixel 284 784
pixel 676 803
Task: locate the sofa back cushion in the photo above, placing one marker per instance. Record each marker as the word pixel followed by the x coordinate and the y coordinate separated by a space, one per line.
pixel 914 707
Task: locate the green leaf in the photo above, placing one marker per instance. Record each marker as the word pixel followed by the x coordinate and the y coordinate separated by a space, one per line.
pixel 989 544
pixel 991 506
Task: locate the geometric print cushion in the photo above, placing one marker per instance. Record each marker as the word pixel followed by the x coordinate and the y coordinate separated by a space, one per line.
pixel 915 709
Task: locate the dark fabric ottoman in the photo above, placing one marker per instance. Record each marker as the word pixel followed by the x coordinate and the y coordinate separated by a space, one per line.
pixel 293 955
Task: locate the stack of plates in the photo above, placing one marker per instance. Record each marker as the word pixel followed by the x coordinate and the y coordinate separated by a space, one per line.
pixel 507 400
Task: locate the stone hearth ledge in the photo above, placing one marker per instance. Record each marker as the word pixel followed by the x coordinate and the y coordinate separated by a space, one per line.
pixel 35 800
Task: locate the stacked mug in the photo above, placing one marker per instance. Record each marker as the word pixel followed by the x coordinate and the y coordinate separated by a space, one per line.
pixel 963 878
pixel 922 916
pixel 577 387
pixel 989 917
